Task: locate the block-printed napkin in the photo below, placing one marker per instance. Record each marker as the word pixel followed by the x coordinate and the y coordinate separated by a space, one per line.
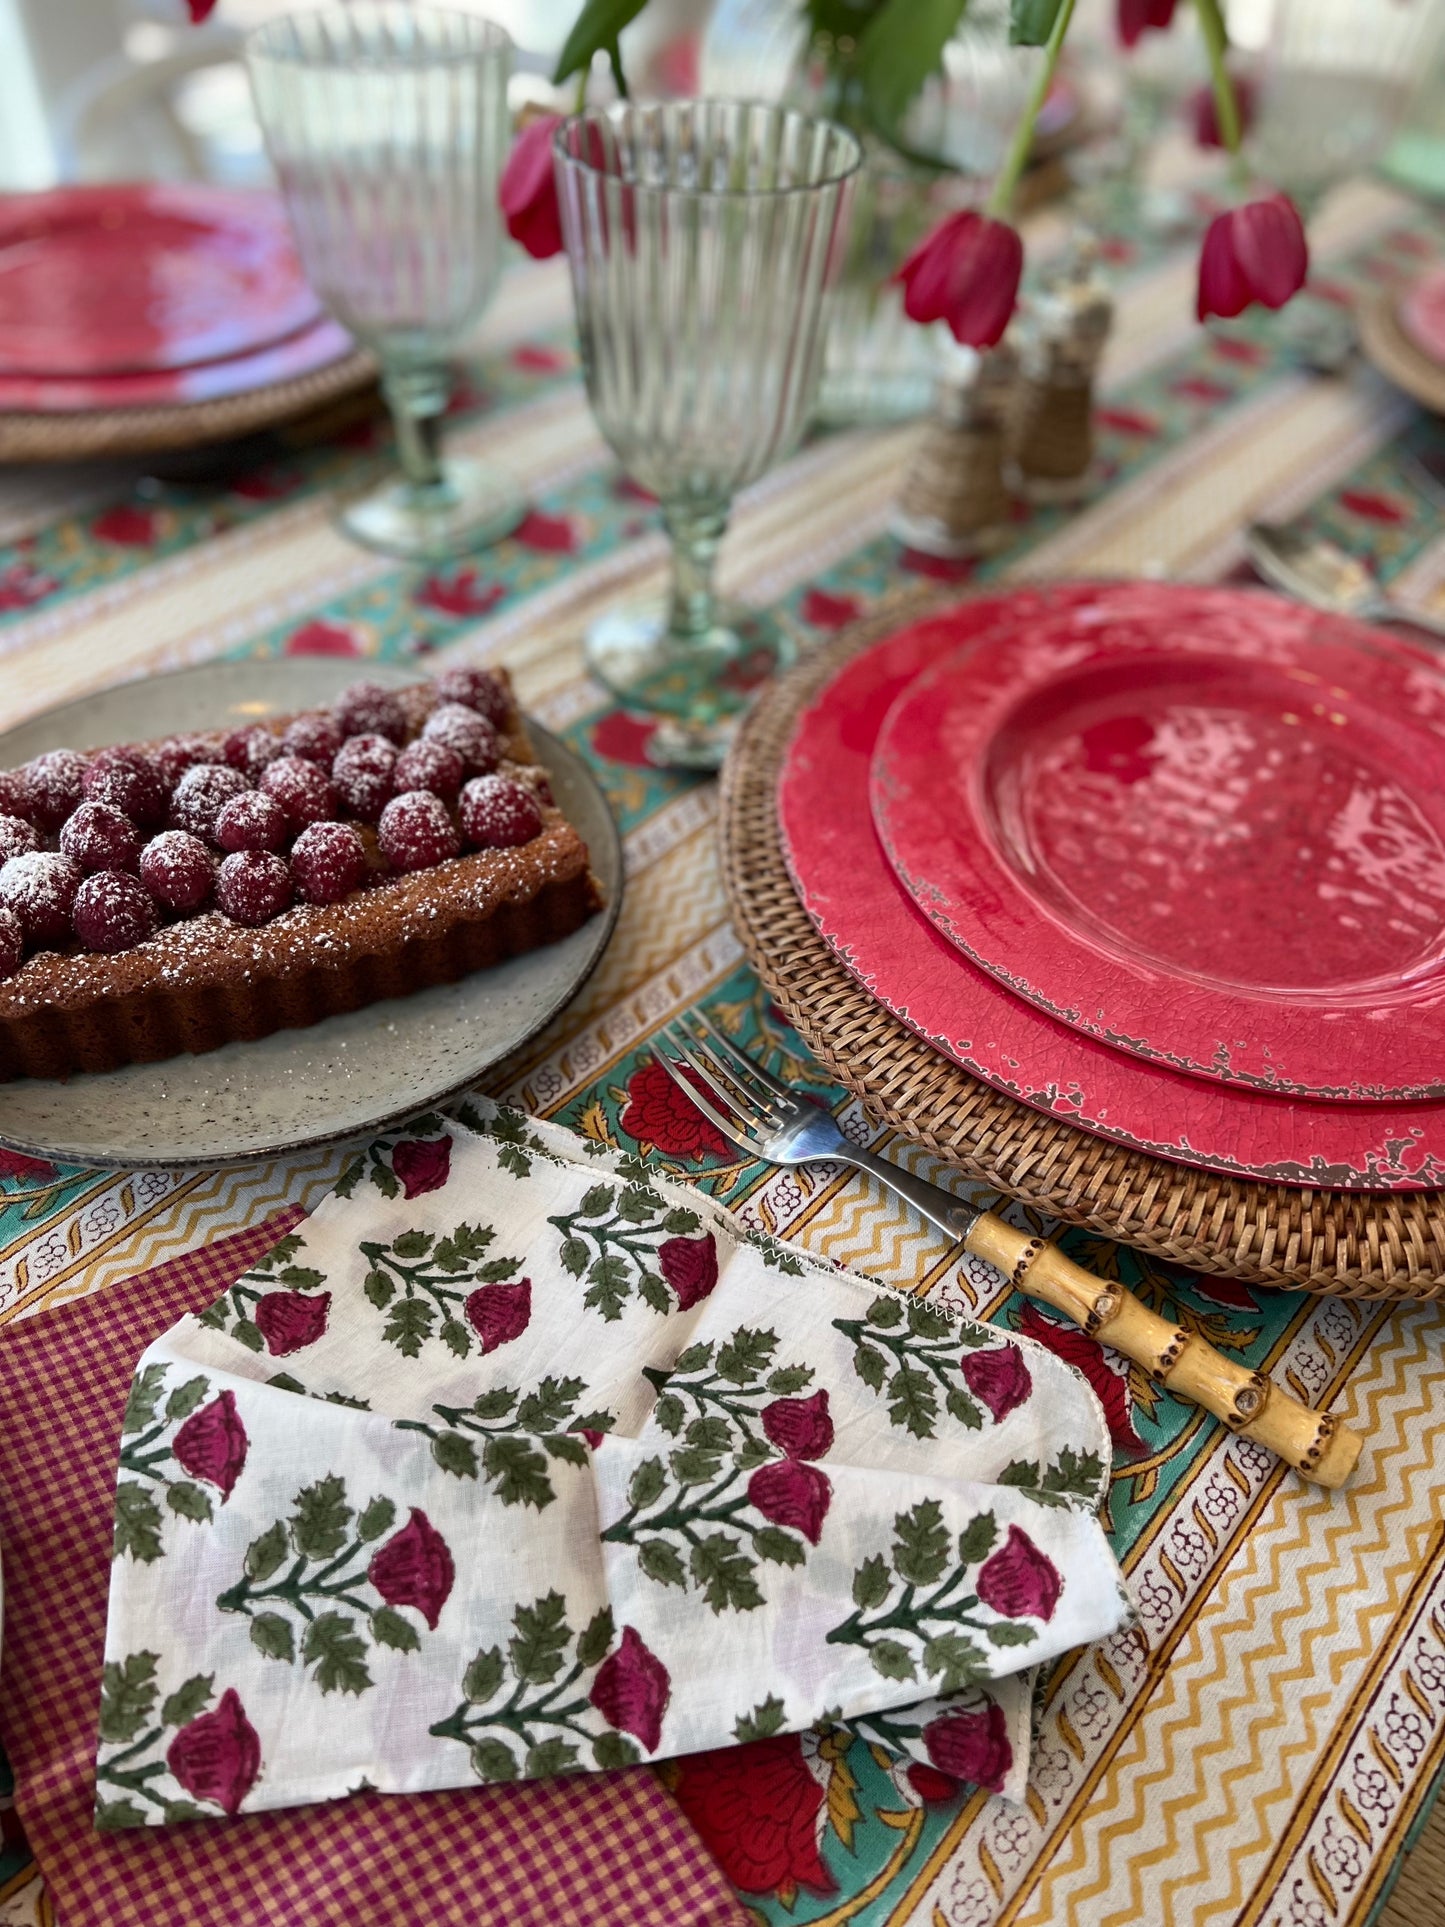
pixel 513 1460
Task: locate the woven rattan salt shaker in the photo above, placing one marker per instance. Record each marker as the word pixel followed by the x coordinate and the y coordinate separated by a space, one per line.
pixel 953 502
pixel 1062 337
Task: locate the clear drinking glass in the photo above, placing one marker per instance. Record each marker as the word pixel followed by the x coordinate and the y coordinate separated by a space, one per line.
pixel 388 129
pixel 704 238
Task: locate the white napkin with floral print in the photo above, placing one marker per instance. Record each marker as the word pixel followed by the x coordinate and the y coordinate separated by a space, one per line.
pixel 515 1461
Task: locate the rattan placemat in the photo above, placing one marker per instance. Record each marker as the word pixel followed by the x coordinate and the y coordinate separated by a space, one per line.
pixel 1359 1244
pixel 100 433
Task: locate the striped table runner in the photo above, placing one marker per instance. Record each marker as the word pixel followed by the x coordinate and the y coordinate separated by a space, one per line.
pixel 1258 1752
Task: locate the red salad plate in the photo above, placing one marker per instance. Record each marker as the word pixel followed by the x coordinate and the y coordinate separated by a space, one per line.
pixel 848 888
pixel 1421 313
pixel 1206 827
pixel 129 279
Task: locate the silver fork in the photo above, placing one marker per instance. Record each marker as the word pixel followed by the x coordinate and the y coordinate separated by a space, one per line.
pixel 770 1121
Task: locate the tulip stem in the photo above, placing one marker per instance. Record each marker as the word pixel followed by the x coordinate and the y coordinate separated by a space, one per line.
pixel 1216 45
pixel 1000 201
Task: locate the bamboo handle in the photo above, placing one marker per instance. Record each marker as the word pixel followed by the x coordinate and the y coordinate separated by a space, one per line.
pixel 1315 1443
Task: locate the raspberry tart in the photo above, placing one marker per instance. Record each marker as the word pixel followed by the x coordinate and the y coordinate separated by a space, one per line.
pixel 175 896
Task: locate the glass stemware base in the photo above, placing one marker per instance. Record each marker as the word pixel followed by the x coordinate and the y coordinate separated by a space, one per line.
pixel 695 686
pixel 470 506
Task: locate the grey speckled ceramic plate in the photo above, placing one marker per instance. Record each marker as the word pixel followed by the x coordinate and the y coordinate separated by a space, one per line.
pixel 341 1078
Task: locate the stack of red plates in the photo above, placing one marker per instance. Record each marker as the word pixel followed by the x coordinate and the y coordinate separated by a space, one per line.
pixel 147 296
pixel 1166 862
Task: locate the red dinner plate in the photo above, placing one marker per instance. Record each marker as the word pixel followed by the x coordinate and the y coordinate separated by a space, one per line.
pixel 1421 313
pixel 125 280
pixel 1206 827
pixel 845 883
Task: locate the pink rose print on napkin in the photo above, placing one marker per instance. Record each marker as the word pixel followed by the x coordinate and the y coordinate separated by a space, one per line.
pixel 290 1320
pixel 422 1164
pixel 1018 1580
pixel 998 1379
pixel 631 1690
pixel 212 1443
pixel 414 1568
pixel 217 1756
pixel 499 1313
pixel 971 1746
pixel 690 1266
pixel 800 1427
pixel 792 1494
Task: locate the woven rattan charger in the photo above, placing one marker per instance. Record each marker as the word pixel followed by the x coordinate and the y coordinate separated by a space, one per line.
pixel 1358 1244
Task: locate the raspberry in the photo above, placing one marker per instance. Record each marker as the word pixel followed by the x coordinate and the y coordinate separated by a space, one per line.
pixel 17 837
pixel 253 886
pixel 470 735
pixel 178 870
pixel 251 822
pixel 112 912
pixel 54 781
pixel 177 754
pixel 14 793
pixel 328 861
pixel 416 831
pixel 366 709
pixel 302 790
pixel 313 736
pixel 12 944
pixel 128 782
pixel 99 837
pixel 362 774
pixel 250 750
pixel 479 689
pixel 200 796
pixel 497 813
pixel 424 765
pixel 39 889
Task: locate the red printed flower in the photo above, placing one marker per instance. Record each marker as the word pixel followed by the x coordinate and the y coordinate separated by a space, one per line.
pixel 289 1320
pixel 1136 15
pixel 462 596
pixel 211 1445
pixel 1372 507
pixel 1087 1355
pixel 999 1379
pixel 657 1113
pixel 528 191
pixel 801 1427
pixel 500 1313
pixel 217 1755
pixel 1253 253
pixel 966 272
pixel 690 1266
pixel 631 1690
pixel 1018 1581
pixel 15 1164
pixel 422 1163
pixel 971 1746
pixel 22 587
pixel 1204 111
pixel 553 534
pixel 756 1811
pixel 132 528
pixel 414 1568
pixel 824 611
pixel 322 639
pixel 932 1788
pixel 623 738
pixel 792 1494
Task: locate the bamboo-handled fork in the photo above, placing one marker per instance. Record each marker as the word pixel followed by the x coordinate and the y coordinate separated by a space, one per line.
pixel 767 1119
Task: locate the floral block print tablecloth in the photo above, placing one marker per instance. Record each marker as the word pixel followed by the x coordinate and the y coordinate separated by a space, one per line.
pixel 512 1461
pixel 1257 1751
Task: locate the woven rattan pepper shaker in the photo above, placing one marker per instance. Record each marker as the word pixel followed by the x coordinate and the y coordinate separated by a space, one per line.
pixel 954 502
pixel 1062 339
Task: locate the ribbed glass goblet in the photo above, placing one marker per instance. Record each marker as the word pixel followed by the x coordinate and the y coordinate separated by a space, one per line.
pixel 704 238
pixel 388 129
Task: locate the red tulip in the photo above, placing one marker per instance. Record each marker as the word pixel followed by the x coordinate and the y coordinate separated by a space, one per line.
pixel 414 1568
pixel 966 272
pixel 200 9
pixel 631 1690
pixel 1253 253
pixel 1204 111
pixel 217 1755
pixel 1136 15
pixel 528 192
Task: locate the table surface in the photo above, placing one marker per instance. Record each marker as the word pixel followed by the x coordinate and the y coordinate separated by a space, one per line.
pixel 1259 1751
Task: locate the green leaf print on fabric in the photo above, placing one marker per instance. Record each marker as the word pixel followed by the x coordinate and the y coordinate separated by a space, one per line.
pixel 508 1437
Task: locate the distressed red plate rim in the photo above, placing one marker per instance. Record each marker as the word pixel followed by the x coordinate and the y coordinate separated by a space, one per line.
pixel 145 279
pixel 1206 827
pixel 1420 311
pixel 846 885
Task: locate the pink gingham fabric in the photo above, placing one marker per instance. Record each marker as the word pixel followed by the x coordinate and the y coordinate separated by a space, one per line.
pixel 609 1850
